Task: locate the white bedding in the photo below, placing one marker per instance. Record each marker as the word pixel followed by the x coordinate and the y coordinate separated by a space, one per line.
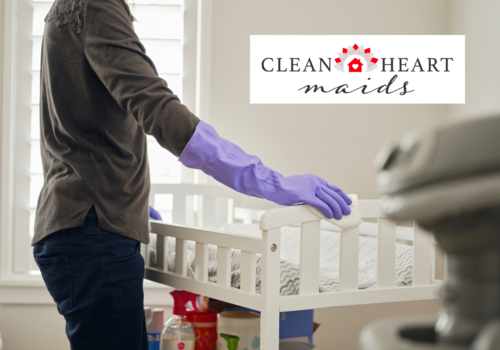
pixel 290 258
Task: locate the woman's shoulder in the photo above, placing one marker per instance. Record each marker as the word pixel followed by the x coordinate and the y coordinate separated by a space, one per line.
pixel 72 12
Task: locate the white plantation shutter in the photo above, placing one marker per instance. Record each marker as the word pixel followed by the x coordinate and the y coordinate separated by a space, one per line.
pixel 160 27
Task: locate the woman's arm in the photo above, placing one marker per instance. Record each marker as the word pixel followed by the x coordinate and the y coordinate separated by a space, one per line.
pixel 118 58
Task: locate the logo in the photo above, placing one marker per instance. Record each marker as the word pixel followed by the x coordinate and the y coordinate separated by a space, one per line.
pixel 309 69
pixel 357 59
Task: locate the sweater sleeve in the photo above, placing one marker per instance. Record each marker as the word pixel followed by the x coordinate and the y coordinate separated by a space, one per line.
pixel 119 59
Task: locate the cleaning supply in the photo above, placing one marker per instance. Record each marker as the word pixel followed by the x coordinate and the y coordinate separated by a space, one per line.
pixel 352 220
pixel 205 328
pixel 232 341
pixel 242 324
pixel 154 323
pixel 231 166
pixel 178 333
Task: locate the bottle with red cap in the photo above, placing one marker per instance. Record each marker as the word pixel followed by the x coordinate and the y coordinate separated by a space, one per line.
pixel 178 333
pixel 205 328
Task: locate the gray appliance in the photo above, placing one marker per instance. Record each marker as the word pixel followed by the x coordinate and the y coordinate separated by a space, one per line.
pixel 448 181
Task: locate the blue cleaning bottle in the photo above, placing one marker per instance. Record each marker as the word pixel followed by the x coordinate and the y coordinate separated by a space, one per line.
pixel 154 324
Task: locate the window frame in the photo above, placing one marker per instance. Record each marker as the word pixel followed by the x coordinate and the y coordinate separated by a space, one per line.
pixel 16 147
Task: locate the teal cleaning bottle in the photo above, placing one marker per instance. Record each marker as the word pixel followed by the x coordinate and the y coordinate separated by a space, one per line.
pixel 232 341
pixel 178 333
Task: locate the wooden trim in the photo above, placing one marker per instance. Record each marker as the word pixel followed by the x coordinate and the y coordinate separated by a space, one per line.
pixel 8 110
pixel 37 294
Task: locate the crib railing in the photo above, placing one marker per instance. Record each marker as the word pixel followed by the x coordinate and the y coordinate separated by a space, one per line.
pixel 269 301
pixel 180 278
pixel 349 247
pixel 215 199
pixel 269 246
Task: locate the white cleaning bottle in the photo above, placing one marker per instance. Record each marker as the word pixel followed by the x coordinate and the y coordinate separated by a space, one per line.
pixel 178 333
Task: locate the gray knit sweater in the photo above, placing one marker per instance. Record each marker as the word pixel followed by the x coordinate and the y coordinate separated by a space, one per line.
pixel 100 95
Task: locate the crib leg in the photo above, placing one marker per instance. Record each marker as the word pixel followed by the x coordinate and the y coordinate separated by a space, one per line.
pixel 269 330
pixel 270 293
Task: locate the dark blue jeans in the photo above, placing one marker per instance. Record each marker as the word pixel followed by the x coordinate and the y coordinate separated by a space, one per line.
pixel 95 277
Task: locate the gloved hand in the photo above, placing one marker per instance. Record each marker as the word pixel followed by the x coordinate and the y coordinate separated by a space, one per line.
pixel 230 165
pixel 153 214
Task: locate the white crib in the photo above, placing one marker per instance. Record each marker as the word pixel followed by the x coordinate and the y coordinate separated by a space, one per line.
pixel 217 206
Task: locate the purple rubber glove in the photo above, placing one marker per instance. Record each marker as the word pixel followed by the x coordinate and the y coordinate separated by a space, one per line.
pixel 230 165
pixel 153 214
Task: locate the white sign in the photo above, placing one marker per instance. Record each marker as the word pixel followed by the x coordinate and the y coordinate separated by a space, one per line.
pixel 357 69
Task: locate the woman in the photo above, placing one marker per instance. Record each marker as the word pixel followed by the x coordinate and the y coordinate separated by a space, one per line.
pixel 100 94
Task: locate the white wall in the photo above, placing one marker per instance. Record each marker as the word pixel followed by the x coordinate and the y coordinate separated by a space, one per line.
pixel 337 142
pixel 480 22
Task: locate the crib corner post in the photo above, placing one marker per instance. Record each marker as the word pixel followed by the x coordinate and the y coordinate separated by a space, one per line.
pixel 270 293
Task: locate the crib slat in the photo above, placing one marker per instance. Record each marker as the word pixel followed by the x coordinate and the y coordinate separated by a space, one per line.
pixel 386 263
pixel 179 209
pixel 349 259
pixel 422 255
pixel 224 266
pixel 201 258
pixel 221 211
pixel 181 264
pixel 270 293
pixel 189 216
pixel 437 261
pixel 309 257
pixel 247 272
pixel 161 253
pixel 208 214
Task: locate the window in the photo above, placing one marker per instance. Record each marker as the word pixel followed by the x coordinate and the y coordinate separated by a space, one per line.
pixel 169 29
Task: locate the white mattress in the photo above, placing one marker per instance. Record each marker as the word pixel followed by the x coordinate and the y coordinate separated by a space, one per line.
pixel 290 258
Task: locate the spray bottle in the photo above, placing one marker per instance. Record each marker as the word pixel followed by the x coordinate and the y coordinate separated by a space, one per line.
pixel 178 333
pixel 232 341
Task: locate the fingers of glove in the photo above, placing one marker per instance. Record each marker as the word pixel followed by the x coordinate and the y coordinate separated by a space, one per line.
pixel 346 198
pixel 341 193
pixel 322 207
pixel 331 202
pixel 339 199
